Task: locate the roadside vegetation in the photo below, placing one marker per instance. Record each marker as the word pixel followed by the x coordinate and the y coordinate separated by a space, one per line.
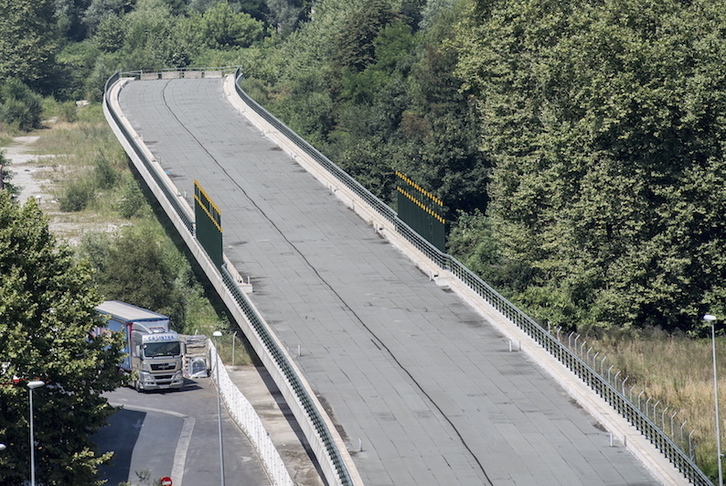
pixel 578 146
pixel 47 302
pixel 97 207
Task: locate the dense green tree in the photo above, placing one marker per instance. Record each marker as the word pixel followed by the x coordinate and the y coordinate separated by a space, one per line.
pixel 99 9
pixel 433 9
pixel 110 34
pixel 19 105
pixel 377 96
pixel 355 46
pixel 256 8
pixel 69 17
pixel 6 176
pixel 156 39
pixel 136 268
pixel 47 315
pixel 223 28
pixel 600 117
pixel 440 125
pixel 28 41
pixel 177 7
pixel 285 15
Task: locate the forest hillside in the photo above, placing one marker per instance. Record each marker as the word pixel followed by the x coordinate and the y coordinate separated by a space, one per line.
pixel 578 146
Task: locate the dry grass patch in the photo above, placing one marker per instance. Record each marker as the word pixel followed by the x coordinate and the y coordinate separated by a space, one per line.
pixel 677 371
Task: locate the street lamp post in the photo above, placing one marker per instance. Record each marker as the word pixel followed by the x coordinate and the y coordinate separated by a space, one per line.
pixel 712 320
pixel 32 385
pixel 216 335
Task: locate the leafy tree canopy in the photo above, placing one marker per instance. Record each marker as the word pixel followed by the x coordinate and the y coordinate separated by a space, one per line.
pixel 47 314
pixel 28 42
pixel 224 28
pixel 135 267
pixel 6 176
pixel 602 118
pixel 20 107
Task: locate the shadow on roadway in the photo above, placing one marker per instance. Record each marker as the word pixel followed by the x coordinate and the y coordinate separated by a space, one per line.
pixel 119 436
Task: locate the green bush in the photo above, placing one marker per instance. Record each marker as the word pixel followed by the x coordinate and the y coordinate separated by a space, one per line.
pixel 76 196
pixel 105 175
pixel 19 106
pixel 132 200
pixel 67 112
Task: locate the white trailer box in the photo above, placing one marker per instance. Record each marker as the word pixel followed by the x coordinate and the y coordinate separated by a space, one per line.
pixel 153 350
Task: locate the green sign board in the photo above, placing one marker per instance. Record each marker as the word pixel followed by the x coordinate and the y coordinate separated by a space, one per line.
pixel 208 220
pixel 422 211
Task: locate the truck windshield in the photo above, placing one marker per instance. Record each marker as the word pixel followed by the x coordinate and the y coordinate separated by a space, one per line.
pixel 155 350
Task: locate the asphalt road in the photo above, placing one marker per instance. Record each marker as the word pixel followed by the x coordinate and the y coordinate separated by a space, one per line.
pixel 406 369
pixel 175 434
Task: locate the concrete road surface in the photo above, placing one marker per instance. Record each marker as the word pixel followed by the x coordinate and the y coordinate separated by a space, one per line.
pixel 175 434
pixel 423 389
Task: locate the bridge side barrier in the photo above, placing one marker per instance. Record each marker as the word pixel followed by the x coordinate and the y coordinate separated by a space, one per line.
pixel 544 338
pixel 304 406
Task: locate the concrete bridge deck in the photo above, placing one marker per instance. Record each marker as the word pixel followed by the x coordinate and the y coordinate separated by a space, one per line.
pixel 405 368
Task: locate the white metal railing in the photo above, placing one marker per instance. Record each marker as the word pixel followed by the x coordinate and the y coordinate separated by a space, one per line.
pixel 245 416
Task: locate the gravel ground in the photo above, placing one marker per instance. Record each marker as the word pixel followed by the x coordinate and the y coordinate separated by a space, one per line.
pixel 36 177
pixel 29 171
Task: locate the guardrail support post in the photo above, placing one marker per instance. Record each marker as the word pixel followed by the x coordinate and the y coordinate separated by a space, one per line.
pixel 674 414
pixel 662 418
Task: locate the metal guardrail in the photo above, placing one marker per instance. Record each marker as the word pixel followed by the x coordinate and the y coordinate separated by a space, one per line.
pixel 587 374
pixel 246 417
pixel 280 359
pixel 290 376
pixel 180 73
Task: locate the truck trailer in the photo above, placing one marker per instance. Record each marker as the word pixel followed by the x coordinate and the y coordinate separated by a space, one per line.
pixel 153 351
